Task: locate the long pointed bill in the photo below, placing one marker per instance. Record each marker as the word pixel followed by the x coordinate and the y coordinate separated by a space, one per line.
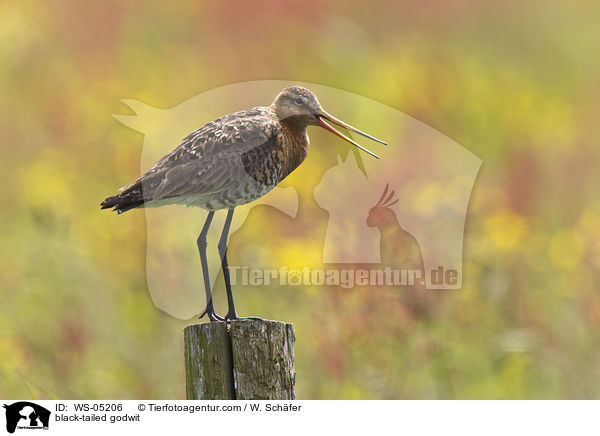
pixel 340 123
pixel 322 123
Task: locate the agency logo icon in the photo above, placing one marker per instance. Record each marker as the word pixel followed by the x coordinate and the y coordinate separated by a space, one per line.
pixel 26 415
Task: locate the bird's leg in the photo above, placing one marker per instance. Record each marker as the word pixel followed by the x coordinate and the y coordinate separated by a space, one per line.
pixel 210 309
pixel 231 313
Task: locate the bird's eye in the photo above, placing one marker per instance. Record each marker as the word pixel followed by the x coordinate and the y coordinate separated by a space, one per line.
pixel 299 101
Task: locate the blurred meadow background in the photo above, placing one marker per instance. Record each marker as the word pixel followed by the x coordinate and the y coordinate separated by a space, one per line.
pixel 515 83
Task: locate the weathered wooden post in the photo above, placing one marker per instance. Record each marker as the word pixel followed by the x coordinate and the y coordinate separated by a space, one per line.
pixel 247 359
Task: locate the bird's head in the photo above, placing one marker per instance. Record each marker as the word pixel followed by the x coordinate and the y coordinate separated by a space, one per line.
pixel 297 103
pixel 301 105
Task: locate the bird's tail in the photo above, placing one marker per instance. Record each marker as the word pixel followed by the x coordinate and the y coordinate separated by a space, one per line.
pixel 126 200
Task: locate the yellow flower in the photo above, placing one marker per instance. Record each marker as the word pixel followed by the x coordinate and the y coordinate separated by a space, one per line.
pixel 505 229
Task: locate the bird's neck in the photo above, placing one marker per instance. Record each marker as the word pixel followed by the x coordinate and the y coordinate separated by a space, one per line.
pixel 296 148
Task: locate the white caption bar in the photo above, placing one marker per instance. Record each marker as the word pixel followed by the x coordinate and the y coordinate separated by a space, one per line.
pixel 298 417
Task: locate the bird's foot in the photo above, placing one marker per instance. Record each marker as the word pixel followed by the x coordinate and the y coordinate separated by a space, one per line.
pixel 212 315
pixel 234 317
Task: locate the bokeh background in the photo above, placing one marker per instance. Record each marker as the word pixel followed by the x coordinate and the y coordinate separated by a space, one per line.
pixel 516 83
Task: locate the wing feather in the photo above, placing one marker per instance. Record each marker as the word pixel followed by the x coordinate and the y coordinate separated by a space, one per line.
pixel 207 161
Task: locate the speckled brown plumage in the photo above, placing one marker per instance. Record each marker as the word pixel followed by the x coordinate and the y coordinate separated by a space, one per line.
pixel 230 161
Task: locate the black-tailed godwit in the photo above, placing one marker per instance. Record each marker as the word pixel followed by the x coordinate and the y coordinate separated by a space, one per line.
pixel 230 161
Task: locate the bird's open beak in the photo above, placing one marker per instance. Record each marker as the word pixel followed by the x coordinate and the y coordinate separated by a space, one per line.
pixel 321 117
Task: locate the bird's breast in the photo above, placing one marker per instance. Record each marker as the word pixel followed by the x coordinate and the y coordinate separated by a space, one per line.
pixel 272 161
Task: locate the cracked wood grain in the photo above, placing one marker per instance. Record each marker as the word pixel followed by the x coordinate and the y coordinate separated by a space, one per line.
pixel 249 359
